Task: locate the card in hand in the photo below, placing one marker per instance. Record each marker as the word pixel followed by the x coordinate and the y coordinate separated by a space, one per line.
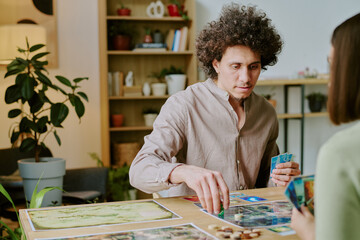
pixel 309 192
pixel 291 195
pixel 282 158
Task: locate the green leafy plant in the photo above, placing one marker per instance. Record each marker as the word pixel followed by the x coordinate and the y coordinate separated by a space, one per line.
pixel 160 76
pixel 182 13
pixel 121 28
pixel 40 116
pixel 36 200
pixel 150 111
pixel 316 96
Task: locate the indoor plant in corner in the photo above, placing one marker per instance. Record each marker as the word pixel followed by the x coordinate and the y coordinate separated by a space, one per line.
pixel 175 79
pixel 39 117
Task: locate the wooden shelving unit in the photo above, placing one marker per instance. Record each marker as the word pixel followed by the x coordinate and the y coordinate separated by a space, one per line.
pixel 142 64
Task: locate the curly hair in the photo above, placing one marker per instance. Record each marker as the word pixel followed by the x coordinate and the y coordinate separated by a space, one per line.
pixel 238 25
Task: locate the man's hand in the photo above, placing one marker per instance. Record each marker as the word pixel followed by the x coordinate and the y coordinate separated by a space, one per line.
pixel 303 223
pixel 283 172
pixel 208 185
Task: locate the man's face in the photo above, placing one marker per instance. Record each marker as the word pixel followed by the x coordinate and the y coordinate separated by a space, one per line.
pixel 238 71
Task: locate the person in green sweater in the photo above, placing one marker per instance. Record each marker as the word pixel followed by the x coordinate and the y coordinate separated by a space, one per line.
pixel 337 182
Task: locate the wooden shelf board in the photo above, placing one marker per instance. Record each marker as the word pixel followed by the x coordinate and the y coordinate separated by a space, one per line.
pixel 305 81
pixel 138 98
pixel 130 128
pixel 317 114
pixel 132 18
pixel 114 52
pixel 288 115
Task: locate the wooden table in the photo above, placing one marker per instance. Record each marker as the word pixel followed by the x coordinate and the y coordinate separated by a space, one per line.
pixel 186 209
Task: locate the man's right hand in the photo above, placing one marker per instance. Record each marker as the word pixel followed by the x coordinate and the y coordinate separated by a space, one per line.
pixel 208 185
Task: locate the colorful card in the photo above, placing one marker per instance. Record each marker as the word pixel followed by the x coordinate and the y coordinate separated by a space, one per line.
pixel 282 230
pixel 282 158
pixel 291 195
pixel 253 199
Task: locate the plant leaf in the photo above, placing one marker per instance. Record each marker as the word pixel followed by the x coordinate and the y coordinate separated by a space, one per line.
pixel 41 124
pixel 14 136
pixel 27 88
pixel 12 94
pixel 15 71
pixel 37 197
pixel 39 55
pixel 59 112
pixel 64 80
pixel 25 124
pixel 27 145
pixel 76 80
pixel 79 107
pixel 36 103
pixel 14 113
pixel 57 138
pixel 83 95
pixel 36 47
pixel 43 78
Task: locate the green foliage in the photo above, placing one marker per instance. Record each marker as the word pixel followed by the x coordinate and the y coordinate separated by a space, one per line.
pixel 36 200
pixel 166 71
pixel 150 111
pixel 120 28
pixel 316 96
pixel 119 183
pixel 96 157
pixel 182 13
pixel 40 116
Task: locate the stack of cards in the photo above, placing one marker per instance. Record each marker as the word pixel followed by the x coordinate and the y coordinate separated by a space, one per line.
pixel 282 158
pixel 301 191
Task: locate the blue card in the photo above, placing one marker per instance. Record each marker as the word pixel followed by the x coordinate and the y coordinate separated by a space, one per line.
pixel 253 199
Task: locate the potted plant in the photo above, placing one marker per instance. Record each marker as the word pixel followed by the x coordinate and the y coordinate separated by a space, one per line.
pixel 150 115
pixel 176 9
pixel 175 79
pixel 158 88
pixel 120 34
pixel 269 98
pixel 40 116
pixel 123 11
pixel 147 37
pixel 316 101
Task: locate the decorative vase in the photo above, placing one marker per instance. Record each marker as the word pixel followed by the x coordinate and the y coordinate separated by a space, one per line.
pixel 148 39
pixel 50 171
pixel 173 10
pixel 150 119
pixel 117 120
pixel 315 106
pixel 158 89
pixel 146 89
pixel 121 42
pixel 175 82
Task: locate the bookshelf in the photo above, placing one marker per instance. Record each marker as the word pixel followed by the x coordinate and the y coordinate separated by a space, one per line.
pixel 142 63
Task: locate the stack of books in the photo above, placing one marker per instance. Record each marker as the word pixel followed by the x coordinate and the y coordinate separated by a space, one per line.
pixel 177 39
pixel 150 47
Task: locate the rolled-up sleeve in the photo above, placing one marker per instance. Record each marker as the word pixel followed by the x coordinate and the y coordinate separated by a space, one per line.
pixel 152 166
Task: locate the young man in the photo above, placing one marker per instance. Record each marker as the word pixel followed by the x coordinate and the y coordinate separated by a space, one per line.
pixel 218 135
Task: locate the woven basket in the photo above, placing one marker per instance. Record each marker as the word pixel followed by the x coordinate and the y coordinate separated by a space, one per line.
pixel 125 153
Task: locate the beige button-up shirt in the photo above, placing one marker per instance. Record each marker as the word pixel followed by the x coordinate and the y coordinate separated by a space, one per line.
pixel 198 127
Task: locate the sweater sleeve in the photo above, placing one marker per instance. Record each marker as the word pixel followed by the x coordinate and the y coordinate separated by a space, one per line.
pixel 337 200
pixel 152 166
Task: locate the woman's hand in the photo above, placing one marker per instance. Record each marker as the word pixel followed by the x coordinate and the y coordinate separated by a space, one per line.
pixel 303 223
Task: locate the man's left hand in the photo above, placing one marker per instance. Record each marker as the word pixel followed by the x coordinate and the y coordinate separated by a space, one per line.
pixel 283 172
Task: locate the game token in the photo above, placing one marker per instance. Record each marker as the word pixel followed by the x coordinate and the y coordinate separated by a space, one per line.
pixel 253 235
pixel 256 230
pixel 213 227
pixel 235 236
pixel 245 236
pixel 247 231
pixel 230 230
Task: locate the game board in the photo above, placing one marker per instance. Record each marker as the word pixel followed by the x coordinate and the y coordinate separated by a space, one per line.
pixel 265 214
pixel 179 232
pixel 102 214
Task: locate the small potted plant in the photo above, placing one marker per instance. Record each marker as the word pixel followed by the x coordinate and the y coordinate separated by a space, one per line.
pixel 40 116
pixel 158 88
pixel 150 115
pixel 316 101
pixel 269 98
pixel 176 9
pixel 175 79
pixel 147 37
pixel 123 11
pixel 121 35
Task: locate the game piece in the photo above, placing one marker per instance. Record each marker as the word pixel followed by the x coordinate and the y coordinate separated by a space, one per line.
pixel 256 230
pixel 235 236
pixel 254 235
pixel 245 236
pixel 247 232
pixel 213 227
pixel 230 230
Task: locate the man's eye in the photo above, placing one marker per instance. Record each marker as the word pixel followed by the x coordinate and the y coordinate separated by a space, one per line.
pixel 235 66
pixel 254 67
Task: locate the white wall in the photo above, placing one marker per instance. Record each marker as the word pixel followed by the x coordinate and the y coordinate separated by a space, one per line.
pixel 306 27
pixel 78 57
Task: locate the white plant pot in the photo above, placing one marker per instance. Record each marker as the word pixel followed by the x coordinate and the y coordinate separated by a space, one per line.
pixel 150 119
pixel 50 170
pixel 175 82
pixel 158 89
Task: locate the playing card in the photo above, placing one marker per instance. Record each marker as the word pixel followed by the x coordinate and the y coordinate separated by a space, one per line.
pixel 253 199
pixel 299 190
pixel 282 158
pixel 291 195
pixel 309 192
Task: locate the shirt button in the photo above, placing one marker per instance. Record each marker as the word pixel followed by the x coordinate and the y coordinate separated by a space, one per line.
pixel 241 188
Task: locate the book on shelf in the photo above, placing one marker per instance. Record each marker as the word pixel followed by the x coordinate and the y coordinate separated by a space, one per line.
pixel 150 45
pixel 149 50
pixel 170 39
pixel 176 42
pixel 183 38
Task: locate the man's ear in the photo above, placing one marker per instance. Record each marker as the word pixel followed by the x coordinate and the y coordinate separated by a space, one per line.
pixel 216 64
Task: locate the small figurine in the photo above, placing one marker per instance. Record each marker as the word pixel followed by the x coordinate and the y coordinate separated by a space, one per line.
pixel 129 80
pixel 155 9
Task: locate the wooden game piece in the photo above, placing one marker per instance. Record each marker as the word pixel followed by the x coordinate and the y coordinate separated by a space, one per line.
pixel 235 236
pixel 247 232
pixel 256 230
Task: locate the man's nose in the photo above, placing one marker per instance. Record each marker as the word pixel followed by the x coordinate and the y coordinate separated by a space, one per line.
pixel 244 75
